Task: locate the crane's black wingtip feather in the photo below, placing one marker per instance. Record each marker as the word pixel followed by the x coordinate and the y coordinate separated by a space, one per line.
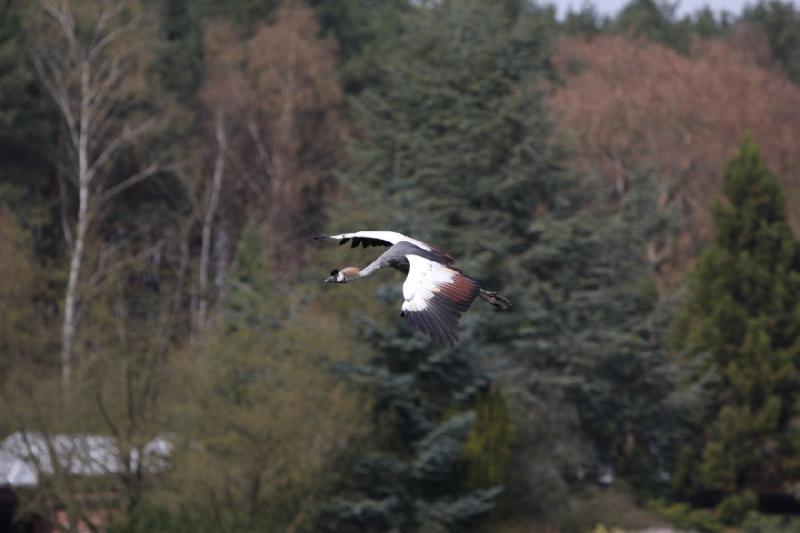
pixel 439 326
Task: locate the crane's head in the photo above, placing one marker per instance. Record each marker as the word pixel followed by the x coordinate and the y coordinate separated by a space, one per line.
pixel 343 276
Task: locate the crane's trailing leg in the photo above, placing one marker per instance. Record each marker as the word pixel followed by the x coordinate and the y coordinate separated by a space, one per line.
pixel 500 302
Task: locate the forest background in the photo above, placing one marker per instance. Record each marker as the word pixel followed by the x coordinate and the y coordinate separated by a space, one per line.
pixel 631 183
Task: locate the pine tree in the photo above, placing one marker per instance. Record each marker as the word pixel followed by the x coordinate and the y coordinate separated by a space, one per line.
pixel 589 343
pixel 780 22
pixel 362 30
pixel 456 151
pixel 741 327
pixel 181 61
pixel 27 135
pixel 458 148
pixel 655 20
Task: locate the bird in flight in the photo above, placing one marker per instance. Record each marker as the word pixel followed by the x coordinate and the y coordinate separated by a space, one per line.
pixel 435 293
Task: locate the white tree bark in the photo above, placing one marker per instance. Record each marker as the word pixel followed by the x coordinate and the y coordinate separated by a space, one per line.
pixel 76 254
pixel 84 78
pixel 215 190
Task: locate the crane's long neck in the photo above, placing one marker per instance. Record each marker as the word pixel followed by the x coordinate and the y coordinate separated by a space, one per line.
pixel 370 269
pixel 348 274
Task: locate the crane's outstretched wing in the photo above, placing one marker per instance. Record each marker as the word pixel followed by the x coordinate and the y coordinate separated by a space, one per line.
pixel 384 238
pixel 435 298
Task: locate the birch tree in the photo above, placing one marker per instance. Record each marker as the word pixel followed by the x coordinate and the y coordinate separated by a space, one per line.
pixel 200 311
pixel 220 98
pixel 89 57
pixel 295 123
pixel 279 96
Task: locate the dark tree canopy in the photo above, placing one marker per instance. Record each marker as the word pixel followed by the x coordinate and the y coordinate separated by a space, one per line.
pixel 741 325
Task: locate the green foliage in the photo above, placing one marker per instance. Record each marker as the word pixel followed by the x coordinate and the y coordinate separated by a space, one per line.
pixel 451 150
pixel 733 509
pixel 740 326
pixel 617 507
pixel 27 135
pixel 456 140
pixel 654 20
pixel 586 21
pixel 180 60
pixel 362 29
pixel 488 446
pixel 241 398
pixel 757 523
pixel 592 333
pixel 158 519
pixel 600 528
pixel 685 517
pixel 657 21
pixel 247 14
pixel 459 149
pixel 20 338
pixel 23 107
pixel 682 515
pixel 780 22
pixel 733 513
pixel 454 144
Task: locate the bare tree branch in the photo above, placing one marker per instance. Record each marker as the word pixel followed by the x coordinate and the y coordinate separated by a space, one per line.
pixel 102 39
pixel 142 175
pixel 127 135
pixel 57 91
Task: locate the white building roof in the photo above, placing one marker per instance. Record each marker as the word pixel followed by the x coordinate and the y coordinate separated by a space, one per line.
pixel 24 456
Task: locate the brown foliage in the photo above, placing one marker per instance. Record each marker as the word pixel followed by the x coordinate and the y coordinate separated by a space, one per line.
pixel 632 104
pixel 279 94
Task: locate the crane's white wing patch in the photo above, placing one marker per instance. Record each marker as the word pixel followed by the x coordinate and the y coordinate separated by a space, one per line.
pixel 435 298
pixel 386 238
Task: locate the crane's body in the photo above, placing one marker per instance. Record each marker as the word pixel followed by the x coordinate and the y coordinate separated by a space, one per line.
pixel 435 293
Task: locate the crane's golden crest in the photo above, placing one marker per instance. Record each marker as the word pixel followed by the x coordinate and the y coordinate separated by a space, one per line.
pixel 350 273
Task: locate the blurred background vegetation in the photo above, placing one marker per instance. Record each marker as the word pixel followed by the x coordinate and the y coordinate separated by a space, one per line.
pixel 630 182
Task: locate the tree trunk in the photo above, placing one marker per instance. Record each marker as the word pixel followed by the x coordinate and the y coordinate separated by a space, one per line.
pixel 76 259
pixel 208 221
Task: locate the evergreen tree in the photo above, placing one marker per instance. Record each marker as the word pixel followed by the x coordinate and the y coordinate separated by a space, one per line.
pixel 741 327
pixel 459 149
pixel 589 342
pixel 453 150
pixel 181 60
pixel 586 21
pixel 655 20
pixel 27 135
pixel 780 22
pixel 458 144
pixel 362 29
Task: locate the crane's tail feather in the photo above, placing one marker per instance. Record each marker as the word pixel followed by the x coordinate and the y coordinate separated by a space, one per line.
pixel 500 302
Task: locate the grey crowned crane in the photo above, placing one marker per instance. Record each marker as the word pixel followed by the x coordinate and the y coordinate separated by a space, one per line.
pixel 436 293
